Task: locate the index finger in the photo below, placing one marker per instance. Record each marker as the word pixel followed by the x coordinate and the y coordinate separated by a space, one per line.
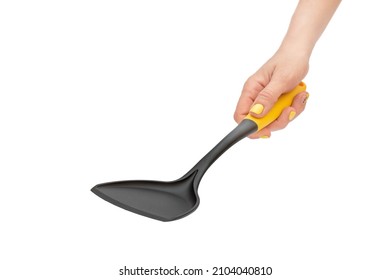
pixel 249 92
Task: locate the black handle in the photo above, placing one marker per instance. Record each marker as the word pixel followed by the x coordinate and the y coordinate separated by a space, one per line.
pixel 245 128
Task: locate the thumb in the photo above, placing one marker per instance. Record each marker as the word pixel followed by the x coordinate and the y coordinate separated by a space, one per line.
pixel 267 97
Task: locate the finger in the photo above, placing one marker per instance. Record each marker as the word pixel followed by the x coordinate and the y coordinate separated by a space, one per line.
pixel 250 91
pixel 267 97
pixel 299 102
pixel 242 107
pixel 287 115
pixel 263 133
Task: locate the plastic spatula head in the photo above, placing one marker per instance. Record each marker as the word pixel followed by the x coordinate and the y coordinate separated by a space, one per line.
pixel 164 201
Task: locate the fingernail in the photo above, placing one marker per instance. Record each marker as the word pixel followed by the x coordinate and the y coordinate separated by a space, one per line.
pixel 264 137
pixel 292 114
pixel 257 109
pixel 306 98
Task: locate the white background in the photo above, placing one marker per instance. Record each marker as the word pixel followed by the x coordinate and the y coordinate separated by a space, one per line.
pixel 95 91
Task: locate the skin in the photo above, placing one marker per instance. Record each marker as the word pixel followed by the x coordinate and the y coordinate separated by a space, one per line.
pixel 287 67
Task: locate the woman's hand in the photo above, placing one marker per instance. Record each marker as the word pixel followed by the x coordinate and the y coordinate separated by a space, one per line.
pixel 287 67
pixel 280 74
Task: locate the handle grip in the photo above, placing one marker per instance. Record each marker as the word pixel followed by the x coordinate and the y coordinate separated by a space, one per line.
pixel 284 101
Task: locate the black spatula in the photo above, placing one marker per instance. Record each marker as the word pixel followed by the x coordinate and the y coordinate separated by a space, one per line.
pixel 168 201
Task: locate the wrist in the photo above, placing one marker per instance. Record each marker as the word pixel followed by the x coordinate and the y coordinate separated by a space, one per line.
pixel 297 46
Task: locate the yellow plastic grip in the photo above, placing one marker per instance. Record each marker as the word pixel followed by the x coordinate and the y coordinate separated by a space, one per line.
pixel 284 101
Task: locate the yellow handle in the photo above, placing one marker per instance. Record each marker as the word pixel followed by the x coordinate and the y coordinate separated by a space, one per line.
pixel 284 101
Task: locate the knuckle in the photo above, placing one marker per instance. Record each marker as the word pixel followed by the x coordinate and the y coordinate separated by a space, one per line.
pixel 248 85
pixel 284 124
pixel 268 95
